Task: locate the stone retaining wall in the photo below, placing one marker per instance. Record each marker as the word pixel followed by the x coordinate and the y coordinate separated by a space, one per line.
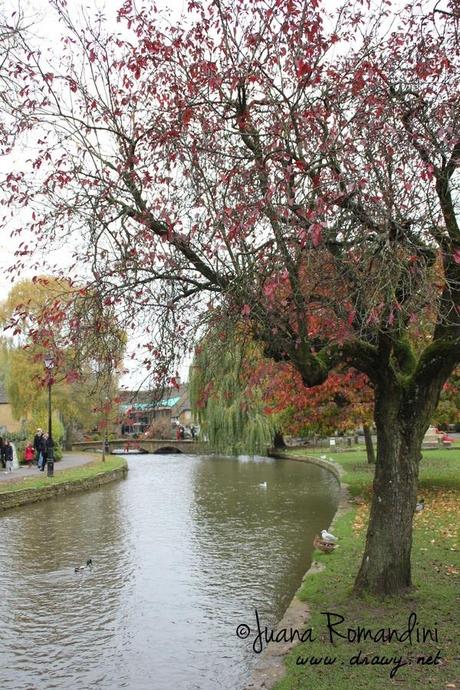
pixel 12 499
pixel 329 464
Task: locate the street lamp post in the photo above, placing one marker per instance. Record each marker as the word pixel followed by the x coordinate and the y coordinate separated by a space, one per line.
pixel 49 364
pixel 105 435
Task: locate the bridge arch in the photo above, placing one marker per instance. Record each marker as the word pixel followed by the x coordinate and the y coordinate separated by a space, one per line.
pixel 167 450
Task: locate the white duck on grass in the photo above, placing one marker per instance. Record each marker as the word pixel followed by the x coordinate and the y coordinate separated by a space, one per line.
pixel 328 537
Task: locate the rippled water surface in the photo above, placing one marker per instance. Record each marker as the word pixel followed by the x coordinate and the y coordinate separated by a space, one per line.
pixel 184 550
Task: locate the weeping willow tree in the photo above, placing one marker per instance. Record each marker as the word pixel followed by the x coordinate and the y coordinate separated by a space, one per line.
pixel 228 406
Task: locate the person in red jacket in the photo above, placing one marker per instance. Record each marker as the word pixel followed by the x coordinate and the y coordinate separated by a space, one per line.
pixel 29 454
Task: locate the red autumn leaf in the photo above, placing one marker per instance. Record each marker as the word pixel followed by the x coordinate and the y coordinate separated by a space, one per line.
pixel 187 115
pixel 315 230
pixel 302 68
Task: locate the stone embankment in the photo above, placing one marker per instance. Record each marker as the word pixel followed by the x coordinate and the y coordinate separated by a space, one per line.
pixel 270 668
pixel 22 496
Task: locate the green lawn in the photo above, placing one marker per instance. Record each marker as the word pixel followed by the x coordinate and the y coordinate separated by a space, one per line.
pixel 435 599
pixel 91 469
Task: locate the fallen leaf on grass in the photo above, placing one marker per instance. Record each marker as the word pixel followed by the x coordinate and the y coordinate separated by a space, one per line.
pixel 452 570
pixel 361 518
pixel 359 500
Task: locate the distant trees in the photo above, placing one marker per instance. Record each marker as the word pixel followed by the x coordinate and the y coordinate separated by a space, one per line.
pixel 39 315
pixel 448 410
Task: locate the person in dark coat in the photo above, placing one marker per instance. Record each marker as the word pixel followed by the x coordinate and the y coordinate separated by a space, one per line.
pixel 38 445
pixel 9 456
pixel 2 453
pixel 46 446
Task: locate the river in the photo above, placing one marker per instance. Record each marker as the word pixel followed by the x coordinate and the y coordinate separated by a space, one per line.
pixel 184 550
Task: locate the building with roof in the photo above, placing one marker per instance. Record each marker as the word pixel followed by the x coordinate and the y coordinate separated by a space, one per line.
pixel 138 410
pixel 181 411
pixel 7 422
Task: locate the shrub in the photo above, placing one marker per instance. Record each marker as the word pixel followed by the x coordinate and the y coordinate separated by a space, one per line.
pixel 160 428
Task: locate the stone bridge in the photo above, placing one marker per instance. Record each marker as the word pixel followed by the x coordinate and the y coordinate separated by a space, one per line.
pixel 150 445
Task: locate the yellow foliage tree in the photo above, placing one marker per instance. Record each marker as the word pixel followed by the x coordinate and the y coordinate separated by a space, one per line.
pixel 85 374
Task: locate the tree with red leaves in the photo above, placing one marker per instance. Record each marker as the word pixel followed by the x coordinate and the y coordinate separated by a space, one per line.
pixel 233 387
pixel 285 163
pixel 342 403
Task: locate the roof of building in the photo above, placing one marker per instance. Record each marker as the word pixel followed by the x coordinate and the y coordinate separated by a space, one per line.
pixel 168 402
pixel 182 404
pixel 153 400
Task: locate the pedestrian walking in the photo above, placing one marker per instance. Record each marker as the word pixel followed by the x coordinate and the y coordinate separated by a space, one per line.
pixel 8 456
pixel 46 447
pixel 38 442
pixel 2 453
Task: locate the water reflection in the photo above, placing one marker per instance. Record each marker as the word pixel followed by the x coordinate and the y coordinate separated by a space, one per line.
pixel 258 538
pixel 184 549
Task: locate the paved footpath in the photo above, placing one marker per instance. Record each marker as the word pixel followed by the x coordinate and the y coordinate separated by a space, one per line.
pixel 68 460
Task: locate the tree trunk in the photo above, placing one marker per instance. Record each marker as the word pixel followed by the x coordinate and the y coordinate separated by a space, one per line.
pixel 68 438
pixel 369 445
pixel 386 565
pixel 278 440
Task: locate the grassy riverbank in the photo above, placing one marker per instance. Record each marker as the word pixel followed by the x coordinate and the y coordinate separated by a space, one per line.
pixel 73 474
pixel 435 600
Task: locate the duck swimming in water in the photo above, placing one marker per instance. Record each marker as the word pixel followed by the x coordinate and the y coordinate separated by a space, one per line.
pixel 88 566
